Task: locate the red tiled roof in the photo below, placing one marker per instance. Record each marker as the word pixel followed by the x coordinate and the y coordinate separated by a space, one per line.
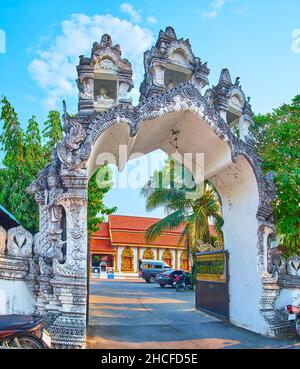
pixel 100 241
pixel 103 231
pixel 124 222
pixel 131 230
pixel 101 246
pixel 131 238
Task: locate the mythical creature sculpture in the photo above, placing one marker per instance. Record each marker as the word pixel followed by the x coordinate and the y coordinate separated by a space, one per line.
pixel 277 263
pixel 37 187
pixel 74 150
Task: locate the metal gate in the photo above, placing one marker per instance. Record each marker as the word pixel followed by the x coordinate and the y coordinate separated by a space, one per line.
pixel 212 283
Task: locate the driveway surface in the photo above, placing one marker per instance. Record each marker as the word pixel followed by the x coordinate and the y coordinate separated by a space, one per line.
pixel 126 315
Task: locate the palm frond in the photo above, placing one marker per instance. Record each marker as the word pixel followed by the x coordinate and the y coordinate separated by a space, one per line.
pixel 171 221
pixel 165 197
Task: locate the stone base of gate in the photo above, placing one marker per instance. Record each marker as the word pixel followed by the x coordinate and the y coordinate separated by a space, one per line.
pixel 68 328
pixel 68 332
pixel 277 318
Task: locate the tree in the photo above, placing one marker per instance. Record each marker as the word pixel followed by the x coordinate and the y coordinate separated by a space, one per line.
pixel 278 142
pixel 13 144
pixel 189 207
pixel 25 154
pixel 99 184
pixel 35 155
pixel 23 158
pixel 52 132
pixel 12 139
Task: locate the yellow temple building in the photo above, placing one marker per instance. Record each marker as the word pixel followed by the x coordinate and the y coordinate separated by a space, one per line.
pixel 120 244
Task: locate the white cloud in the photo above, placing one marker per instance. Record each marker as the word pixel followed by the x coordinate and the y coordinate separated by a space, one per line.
pixel 151 20
pixel 129 9
pixel 2 42
pixel 296 41
pixel 54 67
pixel 216 7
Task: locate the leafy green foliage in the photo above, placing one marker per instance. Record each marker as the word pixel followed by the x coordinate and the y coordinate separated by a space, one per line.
pixel 52 132
pixel 25 154
pixel 24 157
pixel 278 144
pixel 99 184
pixel 12 139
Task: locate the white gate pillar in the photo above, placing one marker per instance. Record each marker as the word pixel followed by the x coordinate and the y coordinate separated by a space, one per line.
pixel 70 278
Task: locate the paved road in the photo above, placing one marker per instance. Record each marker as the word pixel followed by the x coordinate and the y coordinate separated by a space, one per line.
pixel 139 315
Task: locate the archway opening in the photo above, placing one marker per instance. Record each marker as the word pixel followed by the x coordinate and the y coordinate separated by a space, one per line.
pixel 178 133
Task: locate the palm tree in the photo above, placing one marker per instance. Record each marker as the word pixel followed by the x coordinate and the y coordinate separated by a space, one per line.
pixel 191 207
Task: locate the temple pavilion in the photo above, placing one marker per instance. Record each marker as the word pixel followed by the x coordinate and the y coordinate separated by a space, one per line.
pixel 120 244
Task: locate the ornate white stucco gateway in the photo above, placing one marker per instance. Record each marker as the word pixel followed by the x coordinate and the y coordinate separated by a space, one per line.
pixel 171 99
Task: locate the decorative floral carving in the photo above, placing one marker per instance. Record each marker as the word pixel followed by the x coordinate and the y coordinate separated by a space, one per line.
pixel 45 269
pixel 77 229
pixel 19 242
pixel 86 88
pixel 67 270
pixel 293 266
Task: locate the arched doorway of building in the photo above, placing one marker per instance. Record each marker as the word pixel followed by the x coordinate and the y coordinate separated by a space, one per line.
pixel 184 261
pixel 167 257
pixel 127 264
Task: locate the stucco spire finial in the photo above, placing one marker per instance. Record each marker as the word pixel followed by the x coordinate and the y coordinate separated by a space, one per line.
pixel 225 76
pixel 106 40
pixel 237 81
pixel 170 32
pixel 65 114
pixel 64 107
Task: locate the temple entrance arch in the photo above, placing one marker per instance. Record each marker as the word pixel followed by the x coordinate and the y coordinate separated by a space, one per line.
pixel 178 120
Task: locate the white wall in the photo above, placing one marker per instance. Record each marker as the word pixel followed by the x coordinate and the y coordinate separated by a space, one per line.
pixel 174 259
pixel 288 296
pixel 15 298
pixel 142 249
pixel 239 193
pixel 135 262
pixel 120 250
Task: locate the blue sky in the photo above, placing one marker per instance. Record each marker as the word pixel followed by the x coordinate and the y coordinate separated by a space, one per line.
pixel 253 38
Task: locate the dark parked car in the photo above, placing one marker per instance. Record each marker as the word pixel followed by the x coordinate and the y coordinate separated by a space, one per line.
pixel 150 268
pixel 168 278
